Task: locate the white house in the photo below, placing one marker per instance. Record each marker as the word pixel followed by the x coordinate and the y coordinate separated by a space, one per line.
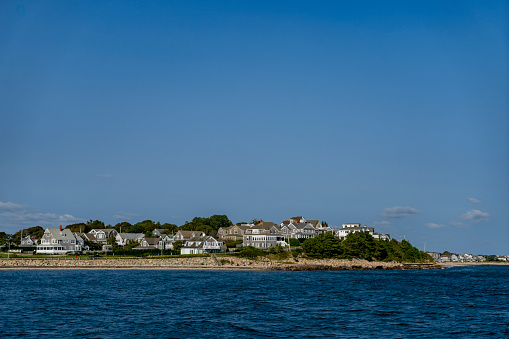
pixel 59 241
pixel 354 228
pixel 201 244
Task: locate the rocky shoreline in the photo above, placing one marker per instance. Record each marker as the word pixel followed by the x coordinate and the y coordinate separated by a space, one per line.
pixel 209 263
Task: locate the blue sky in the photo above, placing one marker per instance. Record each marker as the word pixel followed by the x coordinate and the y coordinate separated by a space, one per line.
pixel 390 114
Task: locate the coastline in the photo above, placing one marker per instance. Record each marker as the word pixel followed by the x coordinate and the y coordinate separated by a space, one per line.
pixel 224 263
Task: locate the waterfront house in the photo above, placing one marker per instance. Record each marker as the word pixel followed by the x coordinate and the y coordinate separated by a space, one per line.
pixel 233 233
pixel 202 244
pixel 59 241
pixel 148 244
pixel 186 235
pixel 28 243
pixel 125 238
pixel 102 234
pixel 264 235
pixel 354 228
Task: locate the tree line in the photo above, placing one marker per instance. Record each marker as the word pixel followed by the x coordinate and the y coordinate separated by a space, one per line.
pixel 363 246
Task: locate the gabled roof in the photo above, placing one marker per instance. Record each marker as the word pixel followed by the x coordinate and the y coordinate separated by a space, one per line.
pixel 55 233
pixel 131 236
pixel 313 222
pixel 302 225
pixel 266 225
pixel 88 236
pixel 189 234
pixel 151 241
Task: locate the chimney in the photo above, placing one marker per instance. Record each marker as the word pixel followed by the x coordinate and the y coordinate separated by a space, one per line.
pixel 60 228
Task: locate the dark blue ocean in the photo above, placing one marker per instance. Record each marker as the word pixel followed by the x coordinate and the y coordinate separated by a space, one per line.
pixel 465 302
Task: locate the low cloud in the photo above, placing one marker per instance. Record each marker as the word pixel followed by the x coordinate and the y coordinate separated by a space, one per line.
pixel 399 212
pixel 474 200
pixel 40 219
pixel 14 217
pixel 381 223
pixel 476 216
pixel 433 225
pixel 104 176
pixel 9 206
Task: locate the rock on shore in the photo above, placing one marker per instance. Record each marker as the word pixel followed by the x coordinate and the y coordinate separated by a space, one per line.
pixel 225 262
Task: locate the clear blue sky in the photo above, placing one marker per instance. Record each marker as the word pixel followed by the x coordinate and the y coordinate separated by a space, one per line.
pixel 390 114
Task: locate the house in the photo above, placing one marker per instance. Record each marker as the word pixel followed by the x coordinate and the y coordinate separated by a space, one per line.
pixel 28 242
pixel 59 241
pixel 202 244
pixel 166 242
pixel 148 244
pixel 233 233
pixel 353 228
pixel 125 238
pixel 264 235
pixel 102 235
pixel 186 235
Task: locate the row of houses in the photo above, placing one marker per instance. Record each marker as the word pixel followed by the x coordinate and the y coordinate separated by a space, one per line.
pixel 60 241
pixel 452 257
pixel 261 235
pixel 268 234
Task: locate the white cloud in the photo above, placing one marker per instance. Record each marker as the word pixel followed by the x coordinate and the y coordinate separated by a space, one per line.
pixel 398 212
pixel 24 218
pixel 476 216
pixel 14 217
pixel 104 176
pixel 9 206
pixel 474 200
pixel 433 225
pixel 381 223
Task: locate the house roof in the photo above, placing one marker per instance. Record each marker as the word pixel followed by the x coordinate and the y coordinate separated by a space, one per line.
pixel 372 229
pixel 152 241
pixel 266 225
pixel 88 236
pixel 302 225
pixel 189 234
pixel 131 236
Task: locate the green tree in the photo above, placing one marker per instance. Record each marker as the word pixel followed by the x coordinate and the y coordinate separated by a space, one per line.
pixel 79 227
pixel 326 245
pixel 96 224
pixel 123 227
pixel 177 245
pixel 34 232
pixel 294 242
pixel 359 244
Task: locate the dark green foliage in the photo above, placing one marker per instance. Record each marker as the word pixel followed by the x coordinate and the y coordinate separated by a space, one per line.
pixel 208 225
pixel 326 245
pixel 364 246
pixel 123 227
pixel 294 242
pixel 232 243
pixel 177 245
pixel 36 231
pixel 97 224
pixel 79 228
pixel 359 244
pixel 250 252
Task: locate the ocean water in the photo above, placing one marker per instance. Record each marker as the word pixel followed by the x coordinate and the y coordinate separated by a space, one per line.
pixel 463 302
